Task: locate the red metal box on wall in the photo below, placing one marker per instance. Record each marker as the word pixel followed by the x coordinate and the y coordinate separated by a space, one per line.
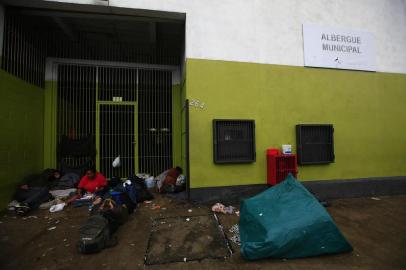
pixel 279 166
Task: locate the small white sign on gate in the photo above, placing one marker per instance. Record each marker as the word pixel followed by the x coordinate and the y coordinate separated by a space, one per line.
pixel 338 48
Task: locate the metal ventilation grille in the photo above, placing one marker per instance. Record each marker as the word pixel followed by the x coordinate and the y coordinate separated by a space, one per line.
pixel 155 121
pixel 31 35
pixel 24 52
pixel 110 50
pixel 234 141
pixel 76 107
pixel 117 138
pixel 315 144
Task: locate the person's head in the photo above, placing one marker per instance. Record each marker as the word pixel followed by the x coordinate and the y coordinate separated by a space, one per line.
pixel 56 174
pixel 91 173
pixel 179 169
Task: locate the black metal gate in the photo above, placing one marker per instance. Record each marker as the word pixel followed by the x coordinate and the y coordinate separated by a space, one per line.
pixel 126 111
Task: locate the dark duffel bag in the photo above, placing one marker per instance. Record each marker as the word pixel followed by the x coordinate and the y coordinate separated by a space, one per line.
pixel 131 206
pixel 94 235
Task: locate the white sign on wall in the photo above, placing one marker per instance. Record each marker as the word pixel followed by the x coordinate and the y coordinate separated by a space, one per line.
pixel 338 48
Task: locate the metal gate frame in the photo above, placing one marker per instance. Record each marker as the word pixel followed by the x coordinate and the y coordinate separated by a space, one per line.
pixel 122 103
pixel 185 132
pixel 131 103
pixel 55 62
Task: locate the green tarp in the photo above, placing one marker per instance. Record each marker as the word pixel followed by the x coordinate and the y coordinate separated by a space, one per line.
pixel 287 221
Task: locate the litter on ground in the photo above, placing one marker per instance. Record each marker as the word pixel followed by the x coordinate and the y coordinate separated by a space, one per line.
pixel 220 208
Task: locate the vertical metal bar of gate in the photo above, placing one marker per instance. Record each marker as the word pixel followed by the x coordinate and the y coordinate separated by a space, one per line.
pixel 75 110
pixel 23 55
pixel 136 122
pixel 148 89
pixel 187 148
pixel 117 120
pixel 97 133
pixel 155 120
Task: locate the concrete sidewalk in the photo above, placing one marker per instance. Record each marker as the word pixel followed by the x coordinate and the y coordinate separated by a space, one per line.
pixel 374 226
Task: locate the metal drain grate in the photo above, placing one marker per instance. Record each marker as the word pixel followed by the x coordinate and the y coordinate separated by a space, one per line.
pixel 183 239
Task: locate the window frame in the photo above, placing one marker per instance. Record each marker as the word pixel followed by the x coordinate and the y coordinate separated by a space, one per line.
pixel 300 144
pixel 249 157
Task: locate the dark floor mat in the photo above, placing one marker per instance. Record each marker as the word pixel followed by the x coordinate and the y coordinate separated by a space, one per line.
pixel 179 239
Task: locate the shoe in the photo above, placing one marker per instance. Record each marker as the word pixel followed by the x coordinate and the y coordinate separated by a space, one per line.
pixel 47 205
pixel 22 209
pixel 12 205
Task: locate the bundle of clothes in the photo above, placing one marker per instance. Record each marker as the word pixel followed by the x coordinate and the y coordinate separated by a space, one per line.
pixel 171 181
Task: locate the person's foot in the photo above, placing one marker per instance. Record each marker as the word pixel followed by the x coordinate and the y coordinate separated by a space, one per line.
pixel 97 201
pixel 22 209
pixel 12 206
pixel 47 205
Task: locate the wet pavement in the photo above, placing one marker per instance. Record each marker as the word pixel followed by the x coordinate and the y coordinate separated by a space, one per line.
pixel 374 226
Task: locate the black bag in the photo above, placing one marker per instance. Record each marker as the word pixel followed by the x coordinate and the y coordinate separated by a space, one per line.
pixel 84 146
pixel 115 214
pixel 116 217
pixel 137 181
pixel 78 169
pixel 144 195
pixel 114 182
pixel 94 235
pixel 141 189
pixel 69 180
pixel 131 206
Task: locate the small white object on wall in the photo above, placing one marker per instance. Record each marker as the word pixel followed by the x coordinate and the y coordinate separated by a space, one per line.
pixel 286 149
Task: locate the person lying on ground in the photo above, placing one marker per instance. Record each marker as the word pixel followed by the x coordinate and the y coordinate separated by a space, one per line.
pixel 48 178
pixel 115 214
pixel 34 190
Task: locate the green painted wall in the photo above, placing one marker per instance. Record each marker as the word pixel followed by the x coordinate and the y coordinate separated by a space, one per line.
pixel 50 125
pixel 367 110
pixel 21 118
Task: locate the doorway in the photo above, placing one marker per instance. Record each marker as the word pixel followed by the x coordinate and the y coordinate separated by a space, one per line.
pixel 126 111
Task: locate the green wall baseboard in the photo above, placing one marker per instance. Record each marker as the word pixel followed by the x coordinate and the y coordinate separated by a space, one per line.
pixel 323 190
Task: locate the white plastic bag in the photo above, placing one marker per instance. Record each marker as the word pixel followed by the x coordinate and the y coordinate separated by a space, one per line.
pixel 150 182
pixel 57 207
pixel 180 180
pixel 160 179
pixel 116 162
